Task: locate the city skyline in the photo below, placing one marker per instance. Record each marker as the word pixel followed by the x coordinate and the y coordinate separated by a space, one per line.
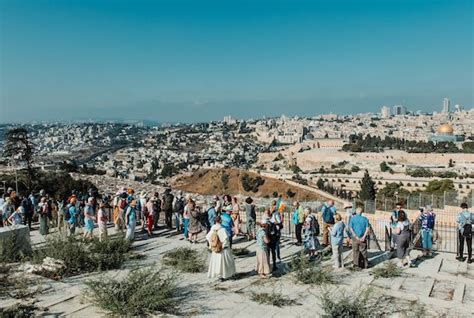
pixel 187 62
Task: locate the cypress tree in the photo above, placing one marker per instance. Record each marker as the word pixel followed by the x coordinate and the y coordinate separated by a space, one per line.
pixel 367 188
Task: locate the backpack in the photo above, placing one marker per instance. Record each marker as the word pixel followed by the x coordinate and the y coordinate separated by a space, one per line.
pixel 168 205
pixel 179 206
pixel 295 217
pixel 328 217
pixel 157 205
pixel 430 221
pixel 215 243
pixel 123 204
pixel 467 228
pixel 253 215
pixel 315 222
pixel 67 215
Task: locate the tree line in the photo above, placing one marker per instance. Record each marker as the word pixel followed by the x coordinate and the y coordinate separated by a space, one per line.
pixel 368 143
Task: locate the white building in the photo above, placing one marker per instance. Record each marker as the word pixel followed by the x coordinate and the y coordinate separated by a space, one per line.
pixel 385 112
pixel 446 105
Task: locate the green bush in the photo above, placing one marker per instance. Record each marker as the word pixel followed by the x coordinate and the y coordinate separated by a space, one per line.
pixel 110 253
pixel 18 311
pixel 84 256
pixel 307 272
pixel 142 292
pixel 339 304
pixel 185 259
pixel 388 270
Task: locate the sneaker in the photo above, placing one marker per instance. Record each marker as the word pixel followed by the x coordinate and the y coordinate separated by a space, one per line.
pixel 469 261
pixel 460 258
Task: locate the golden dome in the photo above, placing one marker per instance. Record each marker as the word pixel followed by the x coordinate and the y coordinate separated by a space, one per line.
pixel 445 129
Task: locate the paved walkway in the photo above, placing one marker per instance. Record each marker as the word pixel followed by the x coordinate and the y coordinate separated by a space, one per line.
pixel 443 285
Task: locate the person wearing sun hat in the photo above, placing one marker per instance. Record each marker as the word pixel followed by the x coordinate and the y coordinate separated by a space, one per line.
pixel 263 256
pixel 89 217
pixel 131 220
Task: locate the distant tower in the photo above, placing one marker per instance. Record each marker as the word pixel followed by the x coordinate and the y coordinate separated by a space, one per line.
pixel 385 112
pixel 399 110
pixel 458 108
pixel 446 105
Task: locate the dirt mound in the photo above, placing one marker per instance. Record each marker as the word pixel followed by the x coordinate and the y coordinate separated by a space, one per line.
pixel 236 182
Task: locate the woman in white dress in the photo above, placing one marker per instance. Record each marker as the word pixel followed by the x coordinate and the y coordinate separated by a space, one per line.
pixel 222 264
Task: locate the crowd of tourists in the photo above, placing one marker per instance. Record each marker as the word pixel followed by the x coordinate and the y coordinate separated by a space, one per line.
pixel 222 224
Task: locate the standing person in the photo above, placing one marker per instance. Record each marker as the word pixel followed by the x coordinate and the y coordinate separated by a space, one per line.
pixel 89 217
pixel 143 209
pixel 298 220
pixel 311 232
pixel 131 220
pixel 186 216
pixel 393 225
pixel 29 210
pixel 118 218
pixel 273 237
pixel 62 205
pixel 403 239
pixel 71 215
pixel 218 204
pixel 328 211
pixel 337 240
pixel 236 217
pixel 227 224
pixel 350 212
pixel 212 214
pixel 8 209
pixel 465 220
pixel 222 264
pixel 16 217
pixel 102 219
pixel 44 216
pixel 156 210
pixel 194 224
pixel 277 220
pixel 167 206
pixel 427 218
pixel 251 217
pixel 263 257
pixel 152 213
pixel 359 227
pixel 178 208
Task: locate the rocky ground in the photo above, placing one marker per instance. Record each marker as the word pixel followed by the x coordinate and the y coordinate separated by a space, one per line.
pixel 437 287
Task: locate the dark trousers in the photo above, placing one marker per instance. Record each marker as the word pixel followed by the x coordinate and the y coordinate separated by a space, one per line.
pixel 461 245
pixel 28 219
pixel 272 246
pixel 169 217
pixel 298 230
pixel 359 249
pixel 156 217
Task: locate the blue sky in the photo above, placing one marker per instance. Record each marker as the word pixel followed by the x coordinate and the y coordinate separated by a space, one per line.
pixel 200 60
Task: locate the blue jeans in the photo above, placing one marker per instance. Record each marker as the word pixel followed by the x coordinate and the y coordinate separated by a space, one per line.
pixel 186 227
pixel 427 239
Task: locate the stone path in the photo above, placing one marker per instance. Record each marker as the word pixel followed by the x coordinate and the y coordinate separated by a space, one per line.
pixel 444 286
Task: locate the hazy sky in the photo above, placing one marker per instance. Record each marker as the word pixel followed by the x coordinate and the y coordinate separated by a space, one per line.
pixel 200 60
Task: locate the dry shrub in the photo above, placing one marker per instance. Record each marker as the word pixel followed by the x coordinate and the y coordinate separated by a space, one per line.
pixel 142 292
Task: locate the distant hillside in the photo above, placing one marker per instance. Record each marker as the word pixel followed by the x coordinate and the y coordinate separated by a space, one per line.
pixel 235 182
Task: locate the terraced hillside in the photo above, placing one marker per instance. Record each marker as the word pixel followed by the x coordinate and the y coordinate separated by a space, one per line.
pixel 241 182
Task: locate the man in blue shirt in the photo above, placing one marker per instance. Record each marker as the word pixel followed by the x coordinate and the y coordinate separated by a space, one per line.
pixel 359 227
